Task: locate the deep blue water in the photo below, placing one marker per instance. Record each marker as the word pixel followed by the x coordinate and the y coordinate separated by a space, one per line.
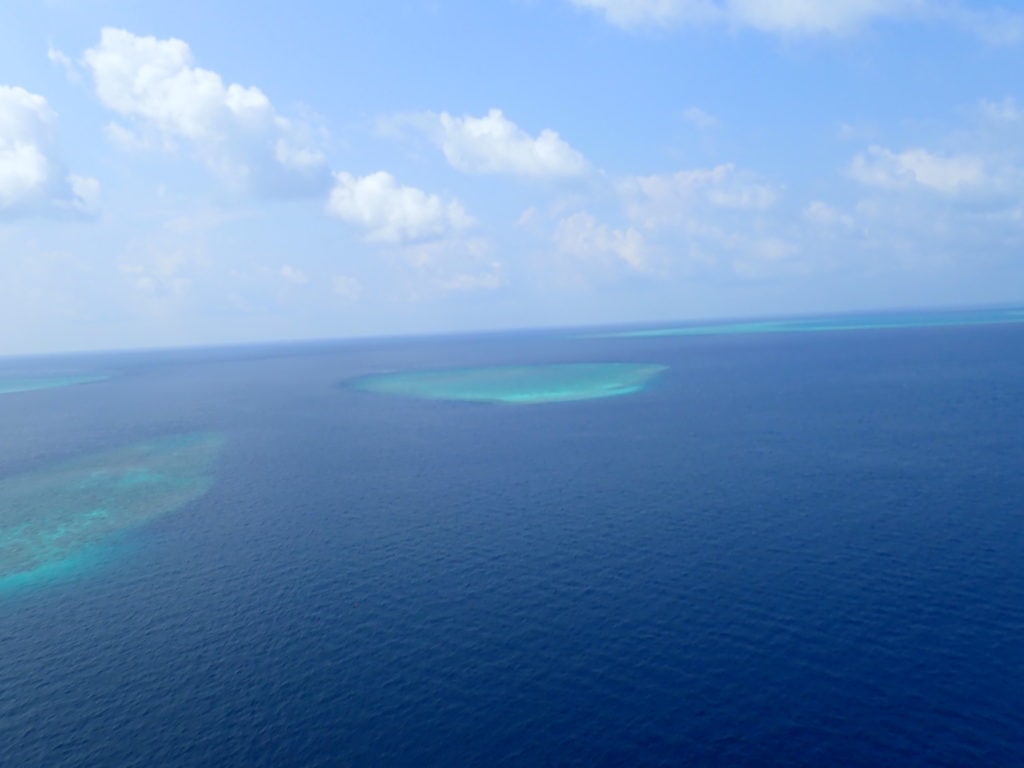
pixel 791 549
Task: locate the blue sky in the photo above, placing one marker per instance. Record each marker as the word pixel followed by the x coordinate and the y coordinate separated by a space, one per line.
pixel 177 173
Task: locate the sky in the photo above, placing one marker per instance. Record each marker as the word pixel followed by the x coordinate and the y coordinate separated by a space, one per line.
pixel 185 173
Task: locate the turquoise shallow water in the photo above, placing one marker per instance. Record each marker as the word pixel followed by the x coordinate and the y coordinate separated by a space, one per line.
pixel 518 385
pixel 67 568
pixel 28 384
pixel 819 324
pixel 52 520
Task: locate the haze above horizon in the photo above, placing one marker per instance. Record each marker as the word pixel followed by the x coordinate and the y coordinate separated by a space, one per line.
pixel 180 174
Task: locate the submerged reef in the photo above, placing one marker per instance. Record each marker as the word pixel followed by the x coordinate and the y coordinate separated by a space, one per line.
pixel 54 516
pixel 28 384
pixel 820 324
pixel 517 385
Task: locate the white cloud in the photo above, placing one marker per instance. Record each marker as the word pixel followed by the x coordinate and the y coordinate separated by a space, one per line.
pixel 495 144
pixel 815 16
pixel 235 129
pixel 62 60
pixel 675 199
pixel 490 279
pixel 455 264
pixel 635 13
pixel 698 118
pixel 85 193
pixel 129 141
pixel 855 132
pixel 582 235
pixel 827 216
pixel 694 220
pixel 995 26
pixel 293 275
pixel 528 218
pixel 666 225
pixel 394 213
pixel 1005 111
pixel 176 267
pixel 764 257
pixel 346 287
pixel 951 174
pixel 804 17
pixel 32 180
pixel 160 278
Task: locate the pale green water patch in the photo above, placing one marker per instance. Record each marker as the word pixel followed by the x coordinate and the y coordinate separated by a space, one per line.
pixel 811 325
pixel 28 384
pixel 517 385
pixel 53 521
pixel 66 569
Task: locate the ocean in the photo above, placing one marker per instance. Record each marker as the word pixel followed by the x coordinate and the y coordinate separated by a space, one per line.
pixel 755 546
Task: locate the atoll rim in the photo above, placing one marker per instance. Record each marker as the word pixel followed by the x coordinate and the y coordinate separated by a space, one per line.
pixel 517 385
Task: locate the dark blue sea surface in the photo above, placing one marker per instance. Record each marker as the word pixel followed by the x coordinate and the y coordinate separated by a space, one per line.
pixel 789 549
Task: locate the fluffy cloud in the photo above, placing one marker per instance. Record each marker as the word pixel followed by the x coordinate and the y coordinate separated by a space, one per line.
pixel 495 144
pixel 235 129
pixel 391 212
pixel 31 178
pixel 24 166
pixel 949 174
pixel 785 16
pixel 582 235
